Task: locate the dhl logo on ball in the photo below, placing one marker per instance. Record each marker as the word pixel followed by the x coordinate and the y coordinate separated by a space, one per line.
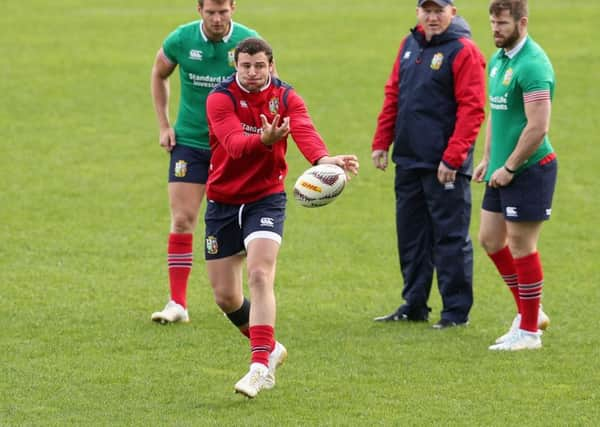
pixel 312 187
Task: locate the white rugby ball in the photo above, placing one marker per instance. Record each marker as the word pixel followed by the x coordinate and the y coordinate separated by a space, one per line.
pixel 319 185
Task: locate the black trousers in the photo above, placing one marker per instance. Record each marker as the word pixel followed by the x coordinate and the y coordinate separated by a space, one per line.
pixel 432 226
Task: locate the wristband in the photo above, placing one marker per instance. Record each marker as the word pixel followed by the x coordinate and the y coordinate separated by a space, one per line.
pixel 509 170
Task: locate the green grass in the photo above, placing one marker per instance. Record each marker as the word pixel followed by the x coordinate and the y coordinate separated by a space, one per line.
pixel 84 216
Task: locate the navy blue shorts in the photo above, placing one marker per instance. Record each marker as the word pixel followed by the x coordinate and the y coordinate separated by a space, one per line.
pixel 189 164
pixel 528 197
pixel 229 228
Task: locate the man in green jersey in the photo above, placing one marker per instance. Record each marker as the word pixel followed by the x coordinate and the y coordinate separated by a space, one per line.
pixel 519 166
pixel 203 50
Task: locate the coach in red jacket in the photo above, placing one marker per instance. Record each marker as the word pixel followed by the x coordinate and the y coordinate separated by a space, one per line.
pixel 432 112
pixel 250 116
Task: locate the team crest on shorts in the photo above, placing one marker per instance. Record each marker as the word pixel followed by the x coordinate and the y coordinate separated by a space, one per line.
pixel 436 61
pixel 507 77
pixel 274 105
pixel 212 246
pixel 180 168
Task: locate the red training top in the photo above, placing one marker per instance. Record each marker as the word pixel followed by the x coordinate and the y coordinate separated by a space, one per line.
pixel 242 168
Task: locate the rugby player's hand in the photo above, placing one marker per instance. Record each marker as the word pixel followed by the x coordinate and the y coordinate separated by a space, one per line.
pixel 500 178
pixel 480 171
pixel 167 139
pixel 348 162
pixel 273 132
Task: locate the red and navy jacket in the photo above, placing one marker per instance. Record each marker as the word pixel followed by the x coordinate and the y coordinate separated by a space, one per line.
pixel 242 168
pixel 434 101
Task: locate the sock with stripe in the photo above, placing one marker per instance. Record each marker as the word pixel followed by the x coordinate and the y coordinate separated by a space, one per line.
pixel 531 282
pixel 179 259
pixel 262 342
pixel 505 264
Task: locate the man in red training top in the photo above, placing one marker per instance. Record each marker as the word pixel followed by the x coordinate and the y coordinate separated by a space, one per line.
pixel 250 116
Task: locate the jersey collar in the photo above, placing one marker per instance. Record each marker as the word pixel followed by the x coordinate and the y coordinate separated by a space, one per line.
pixel 513 52
pixel 225 39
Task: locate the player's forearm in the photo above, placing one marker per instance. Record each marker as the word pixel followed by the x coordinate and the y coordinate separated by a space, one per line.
pixel 488 139
pixel 160 97
pixel 532 136
pixel 530 140
pixel 238 144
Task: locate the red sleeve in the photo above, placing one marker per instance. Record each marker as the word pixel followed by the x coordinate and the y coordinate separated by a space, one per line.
pixel 386 122
pixel 469 91
pixel 227 127
pixel 303 130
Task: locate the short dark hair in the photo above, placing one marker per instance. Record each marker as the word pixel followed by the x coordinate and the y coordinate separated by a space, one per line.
pixel 201 2
pixel 516 8
pixel 252 46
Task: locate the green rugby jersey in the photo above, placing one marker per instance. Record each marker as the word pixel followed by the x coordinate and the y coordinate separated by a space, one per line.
pixel 526 76
pixel 202 65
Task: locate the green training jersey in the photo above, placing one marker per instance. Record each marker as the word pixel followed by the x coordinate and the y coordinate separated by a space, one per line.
pixel 202 65
pixel 524 76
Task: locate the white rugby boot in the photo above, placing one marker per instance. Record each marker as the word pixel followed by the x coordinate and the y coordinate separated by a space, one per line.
pixel 254 381
pixel 543 323
pixel 514 327
pixel 172 313
pixel 520 340
pixel 276 359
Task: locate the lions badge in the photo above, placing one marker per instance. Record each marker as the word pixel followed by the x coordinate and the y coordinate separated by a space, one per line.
pixel 212 246
pixel 507 77
pixel 436 61
pixel 180 168
pixel 274 105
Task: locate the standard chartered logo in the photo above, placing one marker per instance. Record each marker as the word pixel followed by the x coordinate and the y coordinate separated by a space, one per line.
pixel 205 81
pixel 250 130
pixel 499 102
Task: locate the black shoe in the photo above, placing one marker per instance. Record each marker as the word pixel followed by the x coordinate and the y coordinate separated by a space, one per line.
pixel 445 323
pixel 400 315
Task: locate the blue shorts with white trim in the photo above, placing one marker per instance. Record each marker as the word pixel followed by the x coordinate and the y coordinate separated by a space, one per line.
pixel 528 197
pixel 229 228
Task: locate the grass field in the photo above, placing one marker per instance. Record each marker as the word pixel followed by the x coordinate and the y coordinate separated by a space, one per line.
pixel 84 217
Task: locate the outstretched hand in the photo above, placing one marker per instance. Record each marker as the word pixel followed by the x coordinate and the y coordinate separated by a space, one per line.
pixel 273 132
pixel 348 162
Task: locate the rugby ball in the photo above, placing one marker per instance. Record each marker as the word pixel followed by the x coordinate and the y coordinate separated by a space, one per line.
pixel 319 185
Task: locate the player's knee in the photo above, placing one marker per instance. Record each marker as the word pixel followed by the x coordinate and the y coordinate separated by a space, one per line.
pixel 258 277
pixel 227 302
pixel 183 222
pixel 490 243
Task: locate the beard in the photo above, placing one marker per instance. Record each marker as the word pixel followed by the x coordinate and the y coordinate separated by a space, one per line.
pixel 510 41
